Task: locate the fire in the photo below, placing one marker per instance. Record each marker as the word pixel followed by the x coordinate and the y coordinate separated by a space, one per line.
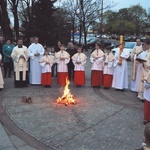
pixel 67 97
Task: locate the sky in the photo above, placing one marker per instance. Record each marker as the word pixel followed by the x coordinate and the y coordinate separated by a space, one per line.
pixel 127 3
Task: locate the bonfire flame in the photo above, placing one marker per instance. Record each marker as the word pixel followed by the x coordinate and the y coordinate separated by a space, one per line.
pixel 67 97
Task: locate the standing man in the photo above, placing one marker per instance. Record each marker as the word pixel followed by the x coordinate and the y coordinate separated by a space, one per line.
pixel 120 76
pixel 97 57
pixel 36 51
pixel 71 50
pixel 20 59
pixel 139 58
pixel 8 64
pixel 135 65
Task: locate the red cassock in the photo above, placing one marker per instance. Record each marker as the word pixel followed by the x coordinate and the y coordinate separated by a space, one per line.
pixel 79 77
pixel 96 78
pixel 107 80
pixel 146 110
pixel 61 78
pixel 47 78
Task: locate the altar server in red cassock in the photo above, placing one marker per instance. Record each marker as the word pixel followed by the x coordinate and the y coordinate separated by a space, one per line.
pixel 108 68
pixel 79 60
pixel 62 59
pixel 96 59
pixel 46 62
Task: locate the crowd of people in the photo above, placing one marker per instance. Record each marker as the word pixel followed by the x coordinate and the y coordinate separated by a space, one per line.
pixel 108 70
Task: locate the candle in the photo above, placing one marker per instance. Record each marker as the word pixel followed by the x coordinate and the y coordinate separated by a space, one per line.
pixel 121 39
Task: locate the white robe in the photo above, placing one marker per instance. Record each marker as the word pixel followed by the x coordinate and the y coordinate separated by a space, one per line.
pixel 135 84
pixel 1 76
pixel 35 67
pixel 79 67
pixel 120 76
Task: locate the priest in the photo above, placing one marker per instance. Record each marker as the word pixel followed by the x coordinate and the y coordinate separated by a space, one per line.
pixel 20 60
pixel 36 51
pixel 136 65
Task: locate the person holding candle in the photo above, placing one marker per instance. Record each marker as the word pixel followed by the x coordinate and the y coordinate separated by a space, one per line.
pixel 62 59
pixel 79 60
pixel 97 57
pixel 120 75
pixel 108 68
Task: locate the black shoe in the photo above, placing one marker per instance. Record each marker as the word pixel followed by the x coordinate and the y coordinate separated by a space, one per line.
pixel 9 76
pixel 145 122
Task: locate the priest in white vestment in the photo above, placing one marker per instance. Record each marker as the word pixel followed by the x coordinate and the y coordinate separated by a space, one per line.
pixel 1 76
pixel 36 51
pixel 20 60
pixel 140 86
pixel 120 76
pixel 136 66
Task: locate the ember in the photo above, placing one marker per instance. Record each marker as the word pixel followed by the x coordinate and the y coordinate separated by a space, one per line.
pixel 67 97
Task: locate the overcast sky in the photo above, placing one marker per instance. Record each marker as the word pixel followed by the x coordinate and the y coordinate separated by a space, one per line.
pixel 127 3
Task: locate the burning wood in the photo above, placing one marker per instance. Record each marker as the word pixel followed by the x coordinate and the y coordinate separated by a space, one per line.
pixel 67 97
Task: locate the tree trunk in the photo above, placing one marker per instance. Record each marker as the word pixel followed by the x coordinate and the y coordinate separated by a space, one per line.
pixel 5 21
pixel 16 22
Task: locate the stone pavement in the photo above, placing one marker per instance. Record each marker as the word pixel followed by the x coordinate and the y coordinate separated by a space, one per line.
pixel 102 119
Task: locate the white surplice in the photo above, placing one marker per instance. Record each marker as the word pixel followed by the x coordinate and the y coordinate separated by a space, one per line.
pixel 35 67
pixel 62 64
pixel 108 69
pixel 46 67
pixel 1 76
pixel 120 76
pixel 79 67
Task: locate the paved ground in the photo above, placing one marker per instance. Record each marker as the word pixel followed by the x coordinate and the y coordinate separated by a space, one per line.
pixel 101 120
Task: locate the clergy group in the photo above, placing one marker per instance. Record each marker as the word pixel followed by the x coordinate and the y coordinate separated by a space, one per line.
pixel 107 69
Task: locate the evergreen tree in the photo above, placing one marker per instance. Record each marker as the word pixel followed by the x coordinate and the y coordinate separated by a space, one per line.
pixel 42 24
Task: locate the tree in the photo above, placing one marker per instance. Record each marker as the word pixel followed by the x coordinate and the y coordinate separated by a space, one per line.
pixel 126 21
pixel 14 9
pixel 4 20
pixel 38 19
pixel 138 16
